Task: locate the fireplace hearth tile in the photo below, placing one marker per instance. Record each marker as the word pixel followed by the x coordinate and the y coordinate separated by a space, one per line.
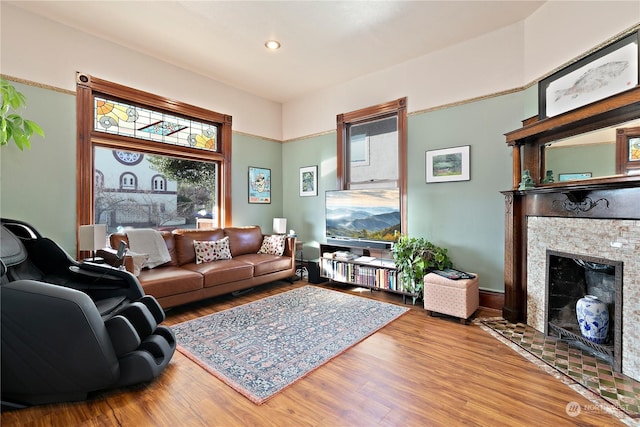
pixel 595 374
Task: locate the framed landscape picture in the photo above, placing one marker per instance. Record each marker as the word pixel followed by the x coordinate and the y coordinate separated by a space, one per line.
pixel 259 185
pixel 448 164
pixel 309 181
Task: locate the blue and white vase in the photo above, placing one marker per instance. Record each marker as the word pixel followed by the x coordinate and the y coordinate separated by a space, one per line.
pixel 593 318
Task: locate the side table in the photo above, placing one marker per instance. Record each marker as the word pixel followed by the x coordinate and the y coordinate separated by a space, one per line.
pixel 301 269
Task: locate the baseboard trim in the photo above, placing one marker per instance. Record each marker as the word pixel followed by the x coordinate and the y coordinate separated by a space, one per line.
pixel 491 299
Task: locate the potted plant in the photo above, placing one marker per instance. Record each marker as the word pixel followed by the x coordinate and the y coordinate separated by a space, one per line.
pixel 12 125
pixel 414 257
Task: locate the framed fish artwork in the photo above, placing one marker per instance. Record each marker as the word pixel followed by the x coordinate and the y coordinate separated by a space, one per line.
pixel 603 73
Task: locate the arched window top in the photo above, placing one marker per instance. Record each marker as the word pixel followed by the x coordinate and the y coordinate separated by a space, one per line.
pixel 128 181
pixel 159 183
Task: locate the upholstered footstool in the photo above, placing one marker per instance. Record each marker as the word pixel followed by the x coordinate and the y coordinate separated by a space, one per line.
pixel 458 298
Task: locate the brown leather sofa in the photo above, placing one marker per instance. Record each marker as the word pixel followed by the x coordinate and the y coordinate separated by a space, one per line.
pixel 181 280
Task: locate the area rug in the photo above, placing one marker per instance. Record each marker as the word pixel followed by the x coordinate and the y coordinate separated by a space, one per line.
pixel 610 391
pixel 264 346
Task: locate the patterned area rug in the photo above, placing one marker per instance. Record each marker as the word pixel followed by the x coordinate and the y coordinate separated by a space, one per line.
pixel 264 346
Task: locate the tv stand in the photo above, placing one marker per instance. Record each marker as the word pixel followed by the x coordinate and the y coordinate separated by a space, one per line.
pixel 367 267
pixel 355 243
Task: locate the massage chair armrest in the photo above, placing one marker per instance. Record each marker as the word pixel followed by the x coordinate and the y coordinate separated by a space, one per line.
pixel 110 257
pixel 123 335
pixel 106 277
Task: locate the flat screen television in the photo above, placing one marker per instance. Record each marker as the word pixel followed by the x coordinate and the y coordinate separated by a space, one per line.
pixel 367 215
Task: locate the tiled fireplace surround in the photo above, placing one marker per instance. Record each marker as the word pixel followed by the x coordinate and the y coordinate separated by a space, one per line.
pixel 615 239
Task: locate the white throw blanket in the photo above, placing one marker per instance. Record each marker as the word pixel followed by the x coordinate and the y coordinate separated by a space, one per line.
pixel 149 241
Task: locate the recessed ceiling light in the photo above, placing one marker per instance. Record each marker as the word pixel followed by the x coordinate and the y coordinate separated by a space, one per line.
pixel 272 44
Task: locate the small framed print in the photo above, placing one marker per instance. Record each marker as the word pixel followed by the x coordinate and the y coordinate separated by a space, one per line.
pixel 573 176
pixel 259 185
pixel 448 164
pixel 309 181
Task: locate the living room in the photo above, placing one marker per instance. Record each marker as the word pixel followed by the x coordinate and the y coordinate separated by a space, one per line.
pixel 470 93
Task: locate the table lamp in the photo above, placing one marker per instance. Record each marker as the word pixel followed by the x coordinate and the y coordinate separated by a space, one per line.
pixel 279 225
pixel 91 238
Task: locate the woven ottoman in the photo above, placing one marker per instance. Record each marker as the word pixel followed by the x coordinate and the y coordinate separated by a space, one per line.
pixel 459 298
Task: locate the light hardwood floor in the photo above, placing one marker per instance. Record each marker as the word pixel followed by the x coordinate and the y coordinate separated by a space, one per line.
pixel 417 371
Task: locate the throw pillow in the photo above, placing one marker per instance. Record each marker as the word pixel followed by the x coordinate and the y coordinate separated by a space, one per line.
pixel 138 261
pixel 212 250
pixel 273 244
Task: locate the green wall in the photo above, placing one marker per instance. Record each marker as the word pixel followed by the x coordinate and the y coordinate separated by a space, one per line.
pixel 252 151
pixel 39 185
pixel 466 217
pixel 305 215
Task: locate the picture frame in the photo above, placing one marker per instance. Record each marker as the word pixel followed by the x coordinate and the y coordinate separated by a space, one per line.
pixel 259 185
pixel 448 164
pixel 308 181
pixel 606 72
pixel 573 176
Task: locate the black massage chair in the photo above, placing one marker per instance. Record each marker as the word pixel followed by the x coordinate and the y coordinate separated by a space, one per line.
pixel 71 328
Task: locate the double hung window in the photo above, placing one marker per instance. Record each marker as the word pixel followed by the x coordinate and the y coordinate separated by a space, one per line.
pixel 372 149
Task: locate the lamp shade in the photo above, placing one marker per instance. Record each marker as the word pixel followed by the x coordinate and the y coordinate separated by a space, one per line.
pixel 279 225
pixel 92 237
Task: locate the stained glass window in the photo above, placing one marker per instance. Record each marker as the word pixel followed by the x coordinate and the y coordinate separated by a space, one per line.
pixel 129 120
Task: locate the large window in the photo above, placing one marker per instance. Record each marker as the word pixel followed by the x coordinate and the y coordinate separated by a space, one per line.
pixel 372 149
pixel 170 192
pixel 146 161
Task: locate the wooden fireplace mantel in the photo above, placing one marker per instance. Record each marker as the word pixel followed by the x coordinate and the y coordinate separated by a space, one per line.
pixel 614 197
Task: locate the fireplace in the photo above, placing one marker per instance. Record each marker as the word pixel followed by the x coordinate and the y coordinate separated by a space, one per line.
pixel 596 217
pixel 593 240
pixel 570 277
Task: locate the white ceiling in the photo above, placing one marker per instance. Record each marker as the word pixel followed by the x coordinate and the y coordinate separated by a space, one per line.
pixel 324 43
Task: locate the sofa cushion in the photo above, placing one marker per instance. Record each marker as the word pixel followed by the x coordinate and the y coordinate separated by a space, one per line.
pixel 244 240
pixel 273 244
pixel 266 263
pixel 223 271
pixel 211 250
pixel 166 281
pixel 185 251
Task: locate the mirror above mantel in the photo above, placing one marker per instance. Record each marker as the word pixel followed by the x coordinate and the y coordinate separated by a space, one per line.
pixel 600 131
pixel 587 155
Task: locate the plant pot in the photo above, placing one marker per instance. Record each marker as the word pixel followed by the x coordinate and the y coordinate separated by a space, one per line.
pixel 593 318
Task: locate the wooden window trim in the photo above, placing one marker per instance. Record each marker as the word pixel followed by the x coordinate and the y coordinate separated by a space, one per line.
pixel 623 165
pixel 399 107
pixel 88 86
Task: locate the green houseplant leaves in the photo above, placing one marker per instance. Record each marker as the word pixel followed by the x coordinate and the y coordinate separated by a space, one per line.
pixel 414 257
pixel 12 125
